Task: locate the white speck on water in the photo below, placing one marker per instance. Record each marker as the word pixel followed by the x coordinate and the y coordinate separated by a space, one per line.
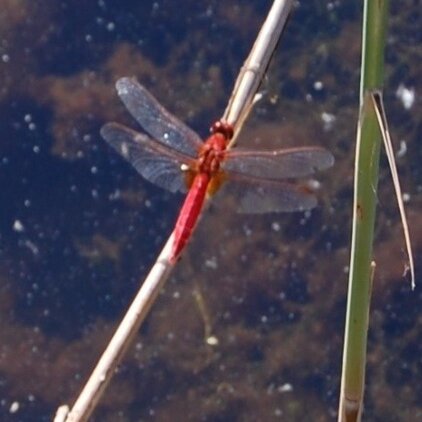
pixel 148 203
pixel 32 126
pixel 275 226
pixel 318 85
pixel 114 195
pixel 346 269
pixel 285 388
pixel 328 120
pixel 403 149
pixel 278 412
pixel 111 26
pixel 27 118
pixel 88 37
pixel 14 407
pixel 94 170
pixel 406 95
pixel 27 203
pixel 209 12
pixel 313 184
pixel 36 149
pixel 212 341
pixel 18 226
pixel 176 295
pixel 5 58
pixel 32 247
pixel 211 263
pixel 247 230
pixel 406 197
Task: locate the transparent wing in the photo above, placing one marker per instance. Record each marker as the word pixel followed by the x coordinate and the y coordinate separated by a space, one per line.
pixel 155 162
pixel 155 119
pixel 258 196
pixel 279 164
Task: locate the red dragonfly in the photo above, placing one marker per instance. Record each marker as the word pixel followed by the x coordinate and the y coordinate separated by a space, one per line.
pixel 175 158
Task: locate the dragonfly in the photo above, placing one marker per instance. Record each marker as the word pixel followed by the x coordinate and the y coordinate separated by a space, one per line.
pixel 175 158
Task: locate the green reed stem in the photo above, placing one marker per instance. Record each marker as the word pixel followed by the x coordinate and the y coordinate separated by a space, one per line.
pixel 365 198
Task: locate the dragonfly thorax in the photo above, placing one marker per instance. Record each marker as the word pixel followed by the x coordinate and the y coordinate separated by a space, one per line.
pixel 212 153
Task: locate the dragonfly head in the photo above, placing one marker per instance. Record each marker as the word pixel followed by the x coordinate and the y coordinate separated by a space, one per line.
pixel 222 127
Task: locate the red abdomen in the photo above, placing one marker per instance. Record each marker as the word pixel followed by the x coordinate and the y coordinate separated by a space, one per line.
pixel 189 213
